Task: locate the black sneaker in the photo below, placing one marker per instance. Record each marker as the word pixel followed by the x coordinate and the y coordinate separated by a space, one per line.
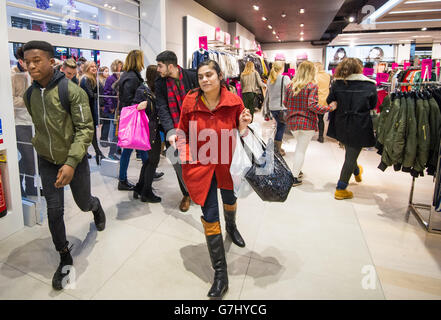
pixel 297 182
pixel 125 186
pixel 59 279
pixel 158 175
pixel 320 139
pixel 100 218
pixel 152 198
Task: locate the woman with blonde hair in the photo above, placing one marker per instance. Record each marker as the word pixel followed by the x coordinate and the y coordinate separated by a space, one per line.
pixel 251 84
pixel 351 124
pixel 273 104
pixel 88 83
pixel 129 82
pixel 301 100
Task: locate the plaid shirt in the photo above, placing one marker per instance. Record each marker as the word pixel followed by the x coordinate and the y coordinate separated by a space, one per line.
pixel 303 108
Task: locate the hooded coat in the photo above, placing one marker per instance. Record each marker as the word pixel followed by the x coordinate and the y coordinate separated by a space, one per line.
pixel 351 122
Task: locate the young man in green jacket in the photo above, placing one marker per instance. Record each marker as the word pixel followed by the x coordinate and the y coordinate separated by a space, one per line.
pixel 62 136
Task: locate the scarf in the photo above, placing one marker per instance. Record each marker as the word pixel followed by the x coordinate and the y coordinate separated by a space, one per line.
pixel 175 96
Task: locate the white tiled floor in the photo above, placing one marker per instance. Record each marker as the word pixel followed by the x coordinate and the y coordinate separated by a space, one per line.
pixel 310 247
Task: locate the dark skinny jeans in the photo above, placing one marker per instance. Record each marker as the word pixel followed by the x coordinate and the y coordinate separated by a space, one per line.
pixel 144 185
pixel 211 205
pixel 350 166
pixel 80 187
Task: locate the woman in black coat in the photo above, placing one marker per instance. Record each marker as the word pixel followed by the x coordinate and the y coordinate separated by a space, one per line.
pixel 88 83
pixel 145 96
pixel 128 83
pixel 351 123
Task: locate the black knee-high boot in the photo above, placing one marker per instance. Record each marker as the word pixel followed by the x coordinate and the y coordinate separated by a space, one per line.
pixel 230 221
pixel 216 249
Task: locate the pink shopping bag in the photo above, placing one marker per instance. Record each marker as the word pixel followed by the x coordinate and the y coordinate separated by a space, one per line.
pixel 133 132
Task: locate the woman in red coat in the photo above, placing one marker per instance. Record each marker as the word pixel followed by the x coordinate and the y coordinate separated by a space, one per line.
pixel 210 116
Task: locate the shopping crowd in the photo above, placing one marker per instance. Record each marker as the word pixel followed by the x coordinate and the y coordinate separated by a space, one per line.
pixel 66 102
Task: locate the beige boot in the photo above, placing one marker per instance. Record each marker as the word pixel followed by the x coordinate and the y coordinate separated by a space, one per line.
pixel 278 147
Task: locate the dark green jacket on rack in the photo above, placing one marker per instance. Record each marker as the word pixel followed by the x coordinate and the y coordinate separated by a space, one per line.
pixel 385 111
pixel 411 135
pixel 423 134
pixel 395 134
pixel 435 131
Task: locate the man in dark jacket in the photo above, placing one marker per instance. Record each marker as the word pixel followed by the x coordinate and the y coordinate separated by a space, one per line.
pixel 171 89
pixel 61 140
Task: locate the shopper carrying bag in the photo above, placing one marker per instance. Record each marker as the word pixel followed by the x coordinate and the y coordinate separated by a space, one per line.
pixel 215 110
pixel 133 131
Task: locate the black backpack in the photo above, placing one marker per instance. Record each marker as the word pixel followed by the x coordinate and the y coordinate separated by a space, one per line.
pixel 63 94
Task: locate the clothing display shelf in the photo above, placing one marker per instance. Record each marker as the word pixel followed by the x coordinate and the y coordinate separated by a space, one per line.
pixel 220 46
pixel 433 222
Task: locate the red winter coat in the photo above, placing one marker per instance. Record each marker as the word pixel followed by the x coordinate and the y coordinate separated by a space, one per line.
pixel 198 171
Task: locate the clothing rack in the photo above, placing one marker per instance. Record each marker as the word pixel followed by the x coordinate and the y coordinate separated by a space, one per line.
pixel 433 223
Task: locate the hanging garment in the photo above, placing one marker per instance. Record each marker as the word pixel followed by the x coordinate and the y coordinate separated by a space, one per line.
pixel 423 136
pixel 435 131
pixel 410 149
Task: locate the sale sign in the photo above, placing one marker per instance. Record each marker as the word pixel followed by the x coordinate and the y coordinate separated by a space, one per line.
pixel 394 66
pixel 406 65
pixel 368 71
pixel 203 43
pixel 382 77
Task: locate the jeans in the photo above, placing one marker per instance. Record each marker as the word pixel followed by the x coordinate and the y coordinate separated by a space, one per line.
pixel 80 187
pixel 27 162
pixel 303 138
pixel 321 124
pixel 107 123
pixel 280 126
pixel 124 162
pixel 211 205
pixel 144 185
pixel 248 101
pixel 349 167
pixel 178 170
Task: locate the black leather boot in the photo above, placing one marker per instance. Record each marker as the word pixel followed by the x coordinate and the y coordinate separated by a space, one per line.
pixel 124 185
pixel 215 245
pixel 63 269
pixel 230 221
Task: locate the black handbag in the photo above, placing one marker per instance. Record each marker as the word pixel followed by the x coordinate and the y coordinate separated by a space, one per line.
pixel 269 176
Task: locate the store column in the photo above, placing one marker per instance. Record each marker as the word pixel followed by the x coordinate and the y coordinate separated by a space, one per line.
pixel 13 221
pixel 153 29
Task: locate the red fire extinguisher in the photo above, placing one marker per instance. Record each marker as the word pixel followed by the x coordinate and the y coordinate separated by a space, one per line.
pixel 3 208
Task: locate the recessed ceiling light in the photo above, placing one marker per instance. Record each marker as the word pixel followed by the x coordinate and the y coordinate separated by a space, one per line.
pixel 109 36
pixel 274 32
pixel 283 14
pixel 302 25
pixel 423 29
pixel 302 11
pixel 94 15
pixel 351 19
pixel 301 39
pixel 270 26
pixel 256 8
pixel 106 5
pixel 264 18
pixel 280 40
pixel 302 33
pixel 113 8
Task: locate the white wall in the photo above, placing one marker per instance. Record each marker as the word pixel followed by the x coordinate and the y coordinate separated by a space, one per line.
pixel 175 11
pixel 291 50
pixel 436 51
pixel 153 29
pixel 403 53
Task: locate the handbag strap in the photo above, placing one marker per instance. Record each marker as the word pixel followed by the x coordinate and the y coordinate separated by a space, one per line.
pixel 247 149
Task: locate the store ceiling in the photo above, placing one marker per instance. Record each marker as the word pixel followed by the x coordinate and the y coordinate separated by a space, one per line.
pixel 317 17
pixel 401 21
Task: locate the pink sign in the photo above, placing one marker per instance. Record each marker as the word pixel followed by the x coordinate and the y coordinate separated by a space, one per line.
pixel 333 71
pixel 218 34
pixel 382 77
pixel 426 66
pixel 406 65
pixel 368 71
pixel 292 72
pixel 227 38
pixel 203 42
pixel 394 66
pixel 237 42
pixel 438 67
